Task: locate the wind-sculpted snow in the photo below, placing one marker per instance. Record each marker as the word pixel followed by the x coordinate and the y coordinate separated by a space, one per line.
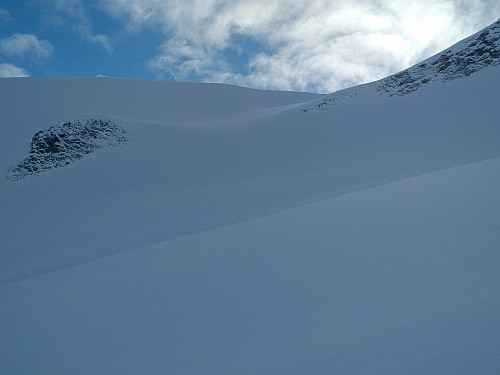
pixel 62 144
pixel 461 60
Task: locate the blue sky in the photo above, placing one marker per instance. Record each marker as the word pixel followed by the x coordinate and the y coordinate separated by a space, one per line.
pixel 314 45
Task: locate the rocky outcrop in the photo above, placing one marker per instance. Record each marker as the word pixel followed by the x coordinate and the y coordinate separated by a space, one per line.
pixel 463 59
pixel 62 144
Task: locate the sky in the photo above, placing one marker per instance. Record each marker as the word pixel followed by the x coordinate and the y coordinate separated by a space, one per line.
pixel 315 45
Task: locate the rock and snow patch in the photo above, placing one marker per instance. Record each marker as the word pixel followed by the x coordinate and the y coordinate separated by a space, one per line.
pixel 467 57
pixel 62 144
pixel 463 59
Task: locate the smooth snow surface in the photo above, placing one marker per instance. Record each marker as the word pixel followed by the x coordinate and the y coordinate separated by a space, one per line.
pixel 400 278
pixel 237 234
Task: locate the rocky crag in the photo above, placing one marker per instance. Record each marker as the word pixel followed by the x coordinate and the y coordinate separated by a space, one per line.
pixel 62 144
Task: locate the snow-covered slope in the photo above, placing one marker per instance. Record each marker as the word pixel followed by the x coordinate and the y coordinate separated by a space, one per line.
pixel 236 232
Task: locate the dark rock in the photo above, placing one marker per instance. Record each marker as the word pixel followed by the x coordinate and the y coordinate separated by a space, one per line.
pixel 62 144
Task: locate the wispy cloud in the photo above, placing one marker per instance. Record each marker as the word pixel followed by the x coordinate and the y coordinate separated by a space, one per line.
pixel 25 44
pixel 73 13
pixel 304 45
pixel 11 71
pixel 4 16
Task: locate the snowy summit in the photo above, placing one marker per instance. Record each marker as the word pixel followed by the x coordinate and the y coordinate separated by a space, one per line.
pixel 467 57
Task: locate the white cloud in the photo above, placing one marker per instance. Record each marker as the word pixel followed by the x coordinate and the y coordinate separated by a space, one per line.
pixel 305 45
pixel 10 71
pixel 86 31
pixel 24 44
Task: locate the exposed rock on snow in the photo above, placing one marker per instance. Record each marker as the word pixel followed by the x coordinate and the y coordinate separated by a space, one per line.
pixel 461 60
pixel 59 145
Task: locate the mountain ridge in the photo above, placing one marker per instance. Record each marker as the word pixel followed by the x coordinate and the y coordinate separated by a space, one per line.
pixel 249 166
pixel 466 57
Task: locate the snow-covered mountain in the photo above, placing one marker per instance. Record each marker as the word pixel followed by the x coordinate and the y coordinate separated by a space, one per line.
pixel 466 57
pixel 243 231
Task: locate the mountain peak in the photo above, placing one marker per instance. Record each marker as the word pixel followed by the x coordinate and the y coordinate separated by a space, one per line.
pixel 461 60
